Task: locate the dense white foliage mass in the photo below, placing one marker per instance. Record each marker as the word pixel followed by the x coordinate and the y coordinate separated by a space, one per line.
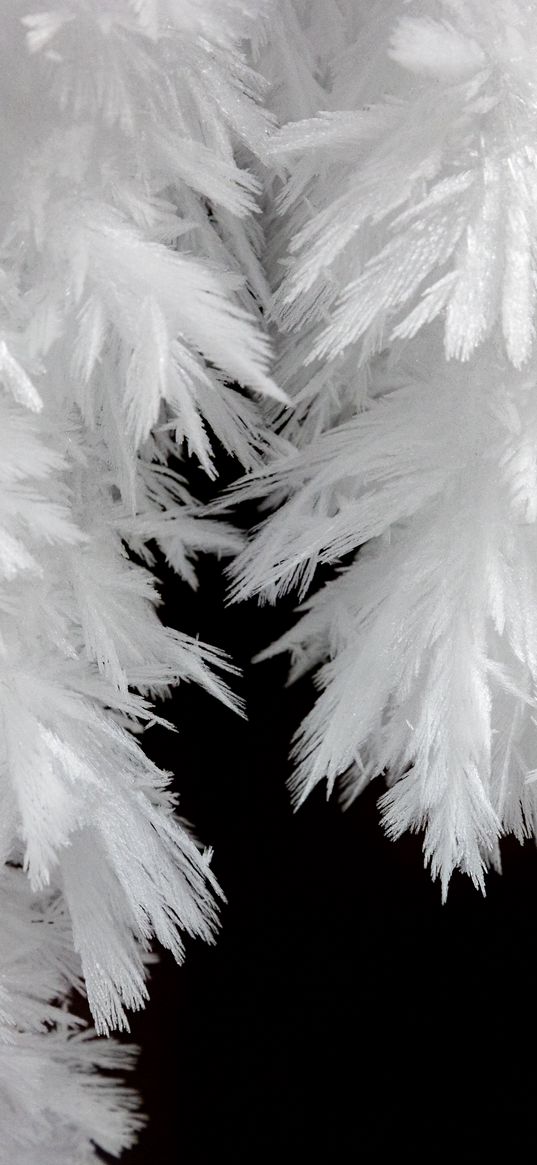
pixel 303 231
pixel 130 304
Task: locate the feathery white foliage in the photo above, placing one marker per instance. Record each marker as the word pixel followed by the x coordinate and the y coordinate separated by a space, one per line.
pixel 130 292
pixel 424 203
pixel 308 60
pixel 58 1098
pixel 403 251
pixel 430 633
pixel 394 265
pixel 60 1101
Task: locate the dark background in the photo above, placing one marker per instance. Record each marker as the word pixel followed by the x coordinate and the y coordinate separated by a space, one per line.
pixel 344 1013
